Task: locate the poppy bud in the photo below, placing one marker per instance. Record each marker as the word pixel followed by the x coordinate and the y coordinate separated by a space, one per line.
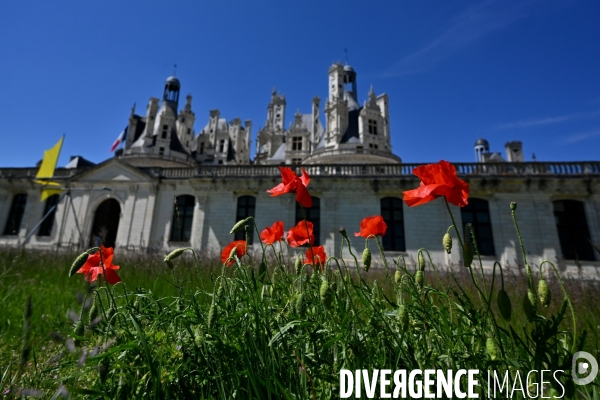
pixel 239 225
pixel 419 278
pixel 492 348
pixel 233 253
pixel 175 253
pixel 403 318
pixel 447 242
pixel 326 293
pixel 298 265
pixel 220 291
pixel 366 258
pixel 397 277
pixel 94 311
pixel 544 293
pixel 504 305
pixel 468 254
pixel 530 305
pixel 78 263
pixel 212 316
pixel 78 330
pixel 262 271
pixel 300 305
pixel 513 206
pixel 421 261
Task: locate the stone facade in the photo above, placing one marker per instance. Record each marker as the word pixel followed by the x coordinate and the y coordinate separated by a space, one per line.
pixel 171 188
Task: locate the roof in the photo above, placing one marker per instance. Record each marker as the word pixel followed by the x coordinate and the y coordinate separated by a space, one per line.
pixel 482 142
pixel 78 162
pixel 279 155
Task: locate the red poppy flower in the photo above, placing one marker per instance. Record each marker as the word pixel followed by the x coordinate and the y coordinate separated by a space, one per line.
pixel 374 225
pixel 438 180
pixel 92 267
pixel 240 246
pixel 316 256
pixel 272 234
pixel 290 183
pixel 299 235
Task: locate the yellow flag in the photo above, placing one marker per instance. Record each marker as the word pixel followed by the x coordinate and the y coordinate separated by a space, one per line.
pixel 49 161
pixel 49 192
pixel 47 168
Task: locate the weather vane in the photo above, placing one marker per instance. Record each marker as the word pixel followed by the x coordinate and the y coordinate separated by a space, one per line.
pixel 174 69
pixel 346 51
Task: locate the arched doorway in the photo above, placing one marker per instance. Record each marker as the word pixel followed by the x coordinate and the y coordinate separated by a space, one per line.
pixel 106 223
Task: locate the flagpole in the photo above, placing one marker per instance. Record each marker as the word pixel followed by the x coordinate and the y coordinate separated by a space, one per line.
pixel 35 228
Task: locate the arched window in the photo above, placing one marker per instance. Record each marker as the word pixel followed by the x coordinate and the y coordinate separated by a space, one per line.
pixel 393 214
pixel 573 232
pixel 246 207
pixel 17 209
pixel 313 215
pixel 183 215
pixel 477 212
pixel 46 227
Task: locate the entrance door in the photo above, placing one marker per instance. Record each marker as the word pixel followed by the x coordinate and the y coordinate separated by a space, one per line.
pixel 106 223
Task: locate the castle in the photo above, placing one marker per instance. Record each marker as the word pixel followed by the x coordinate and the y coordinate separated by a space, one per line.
pixel 171 187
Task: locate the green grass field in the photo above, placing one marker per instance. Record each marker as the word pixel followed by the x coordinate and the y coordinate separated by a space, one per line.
pixel 203 331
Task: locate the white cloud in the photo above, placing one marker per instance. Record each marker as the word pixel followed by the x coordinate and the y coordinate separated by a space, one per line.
pixel 579 137
pixel 533 122
pixel 471 25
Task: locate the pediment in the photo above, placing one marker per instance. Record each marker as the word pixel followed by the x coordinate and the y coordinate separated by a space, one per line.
pixel 113 171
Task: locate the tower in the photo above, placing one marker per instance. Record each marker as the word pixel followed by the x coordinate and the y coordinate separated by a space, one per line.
pixel 481 146
pixel 171 93
pixel 350 82
pixel 276 112
pixel 514 151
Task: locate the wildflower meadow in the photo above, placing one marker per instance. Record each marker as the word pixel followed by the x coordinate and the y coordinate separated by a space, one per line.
pixel 284 321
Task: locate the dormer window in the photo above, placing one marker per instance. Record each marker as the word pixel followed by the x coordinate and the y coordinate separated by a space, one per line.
pixel 373 127
pixel 202 148
pixel 297 143
pixel 165 129
pixel 221 146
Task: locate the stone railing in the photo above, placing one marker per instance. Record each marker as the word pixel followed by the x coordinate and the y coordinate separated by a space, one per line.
pixel 31 172
pixel 577 168
pixel 384 170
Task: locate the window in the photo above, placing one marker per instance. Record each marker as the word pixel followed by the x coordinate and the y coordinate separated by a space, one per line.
pixel 246 206
pixel 165 129
pixel 202 148
pixel 17 209
pixel 392 212
pixel 477 212
pixel 183 215
pixel 46 227
pixel 161 151
pixel 296 160
pixel 313 215
pixel 373 127
pixel 221 146
pixel 189 130
pixel 373 146
pixel 297 143
pixel 573 232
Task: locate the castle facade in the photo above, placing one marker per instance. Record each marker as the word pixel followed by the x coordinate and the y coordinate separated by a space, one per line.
pixel 175 185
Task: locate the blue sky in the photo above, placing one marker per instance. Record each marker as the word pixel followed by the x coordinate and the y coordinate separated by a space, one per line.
pixel 454 70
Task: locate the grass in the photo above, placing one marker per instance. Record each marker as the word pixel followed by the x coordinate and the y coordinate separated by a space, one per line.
pixel 201 330
pixel 262 343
